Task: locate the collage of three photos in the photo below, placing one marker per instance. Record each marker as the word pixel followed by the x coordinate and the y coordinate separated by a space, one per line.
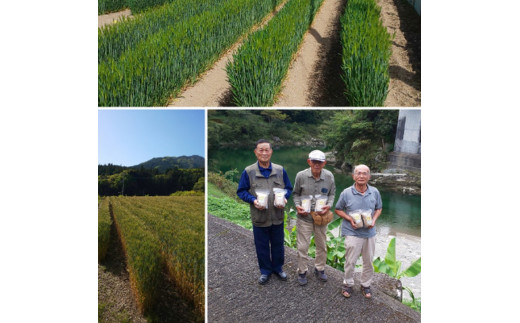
pixel 259 161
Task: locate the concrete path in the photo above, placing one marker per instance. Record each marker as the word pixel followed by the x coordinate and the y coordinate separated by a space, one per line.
pixel 235 296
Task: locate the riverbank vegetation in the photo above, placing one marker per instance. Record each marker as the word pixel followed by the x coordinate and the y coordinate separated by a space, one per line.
pixel 354 136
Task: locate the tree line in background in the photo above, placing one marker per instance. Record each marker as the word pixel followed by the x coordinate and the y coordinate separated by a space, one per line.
pixel 355 136
pixel 120 180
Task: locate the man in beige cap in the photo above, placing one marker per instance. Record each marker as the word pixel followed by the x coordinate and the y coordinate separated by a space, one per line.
pixel 318 183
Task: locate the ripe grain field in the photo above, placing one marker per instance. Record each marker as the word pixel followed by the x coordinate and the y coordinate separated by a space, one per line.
pixel 161 239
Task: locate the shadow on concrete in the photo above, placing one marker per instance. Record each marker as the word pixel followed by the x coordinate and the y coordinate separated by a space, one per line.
pixel 235 296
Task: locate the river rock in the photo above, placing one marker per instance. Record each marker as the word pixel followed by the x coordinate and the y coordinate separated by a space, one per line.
pixel 404 182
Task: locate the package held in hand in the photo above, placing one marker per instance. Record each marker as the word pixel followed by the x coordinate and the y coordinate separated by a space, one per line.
pixel 306 203
pixel 356 215
pixel 279 196
pixel 321 201
pixel 367 217
pixel 262 196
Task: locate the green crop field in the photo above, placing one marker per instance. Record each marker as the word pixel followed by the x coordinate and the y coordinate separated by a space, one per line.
pixel 162 234
pixel 366 50
pixel 261 64
pixel 148 59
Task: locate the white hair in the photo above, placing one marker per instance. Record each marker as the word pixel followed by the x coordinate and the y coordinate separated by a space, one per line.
pixel 361 165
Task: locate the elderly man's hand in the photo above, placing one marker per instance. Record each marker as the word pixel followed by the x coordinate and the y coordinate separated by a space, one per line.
pixel 257 205
pixel 373 224
pixel 352 223
pixel 282 206
pixel 324 210
pixel 301 210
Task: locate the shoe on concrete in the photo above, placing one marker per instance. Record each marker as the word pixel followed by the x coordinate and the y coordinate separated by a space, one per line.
pixel 321 275
pixel 282 275
pixel 302 279
pixel 263 279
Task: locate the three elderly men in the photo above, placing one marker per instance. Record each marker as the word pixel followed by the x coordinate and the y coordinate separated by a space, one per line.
pixel 317 185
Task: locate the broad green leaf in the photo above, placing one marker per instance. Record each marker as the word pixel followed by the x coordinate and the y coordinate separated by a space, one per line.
pixel 334 224
pixel 413 270
pixel 390 257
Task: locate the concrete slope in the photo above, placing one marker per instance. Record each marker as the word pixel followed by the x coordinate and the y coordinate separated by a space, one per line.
pixel 235 296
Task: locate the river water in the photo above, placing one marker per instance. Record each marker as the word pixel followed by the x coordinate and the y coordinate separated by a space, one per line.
pixel 401 216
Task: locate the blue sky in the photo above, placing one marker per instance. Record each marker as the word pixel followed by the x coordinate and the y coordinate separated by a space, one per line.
pixel 130 137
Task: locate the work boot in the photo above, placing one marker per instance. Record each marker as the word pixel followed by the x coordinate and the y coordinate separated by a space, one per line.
pixel 302 279
pixel 321 275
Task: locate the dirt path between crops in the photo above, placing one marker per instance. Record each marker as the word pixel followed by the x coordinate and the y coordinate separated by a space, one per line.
pixel 311 80
pixel 405 63
pixel 110 17
pixel 116 302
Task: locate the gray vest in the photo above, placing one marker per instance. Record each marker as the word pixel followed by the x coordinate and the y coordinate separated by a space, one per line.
pixel 272 215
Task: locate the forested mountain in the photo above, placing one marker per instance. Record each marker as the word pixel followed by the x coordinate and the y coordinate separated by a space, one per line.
pixel 164 163
pixel 158 164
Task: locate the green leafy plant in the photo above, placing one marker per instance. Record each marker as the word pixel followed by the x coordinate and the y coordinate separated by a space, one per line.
pixel 392 267
pixel 290 237
pixel 415 303
pixel 335 246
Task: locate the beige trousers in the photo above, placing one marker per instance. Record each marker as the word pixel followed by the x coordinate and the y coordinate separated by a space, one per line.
pixel 305 230
pixel 354 246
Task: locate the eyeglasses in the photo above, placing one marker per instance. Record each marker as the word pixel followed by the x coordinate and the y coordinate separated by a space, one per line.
pixel 316 162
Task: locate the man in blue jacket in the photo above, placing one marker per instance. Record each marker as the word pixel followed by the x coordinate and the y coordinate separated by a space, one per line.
pixel 267 220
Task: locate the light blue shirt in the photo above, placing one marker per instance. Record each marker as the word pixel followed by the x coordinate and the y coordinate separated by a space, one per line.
pixel 351 200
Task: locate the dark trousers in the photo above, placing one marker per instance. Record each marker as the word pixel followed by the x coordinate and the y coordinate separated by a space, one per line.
pixel 269 248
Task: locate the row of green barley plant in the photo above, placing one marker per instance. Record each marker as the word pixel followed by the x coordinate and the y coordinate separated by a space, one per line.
pixel 143 255
pixel 156 68
pixel 115 39
pixel 107 6
pixel 178 224
pixel 366 50
pixel 260 65
pixel 136 6
pixel 104 225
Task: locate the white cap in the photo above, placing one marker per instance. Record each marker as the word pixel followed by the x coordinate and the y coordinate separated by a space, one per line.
pixel 317 155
